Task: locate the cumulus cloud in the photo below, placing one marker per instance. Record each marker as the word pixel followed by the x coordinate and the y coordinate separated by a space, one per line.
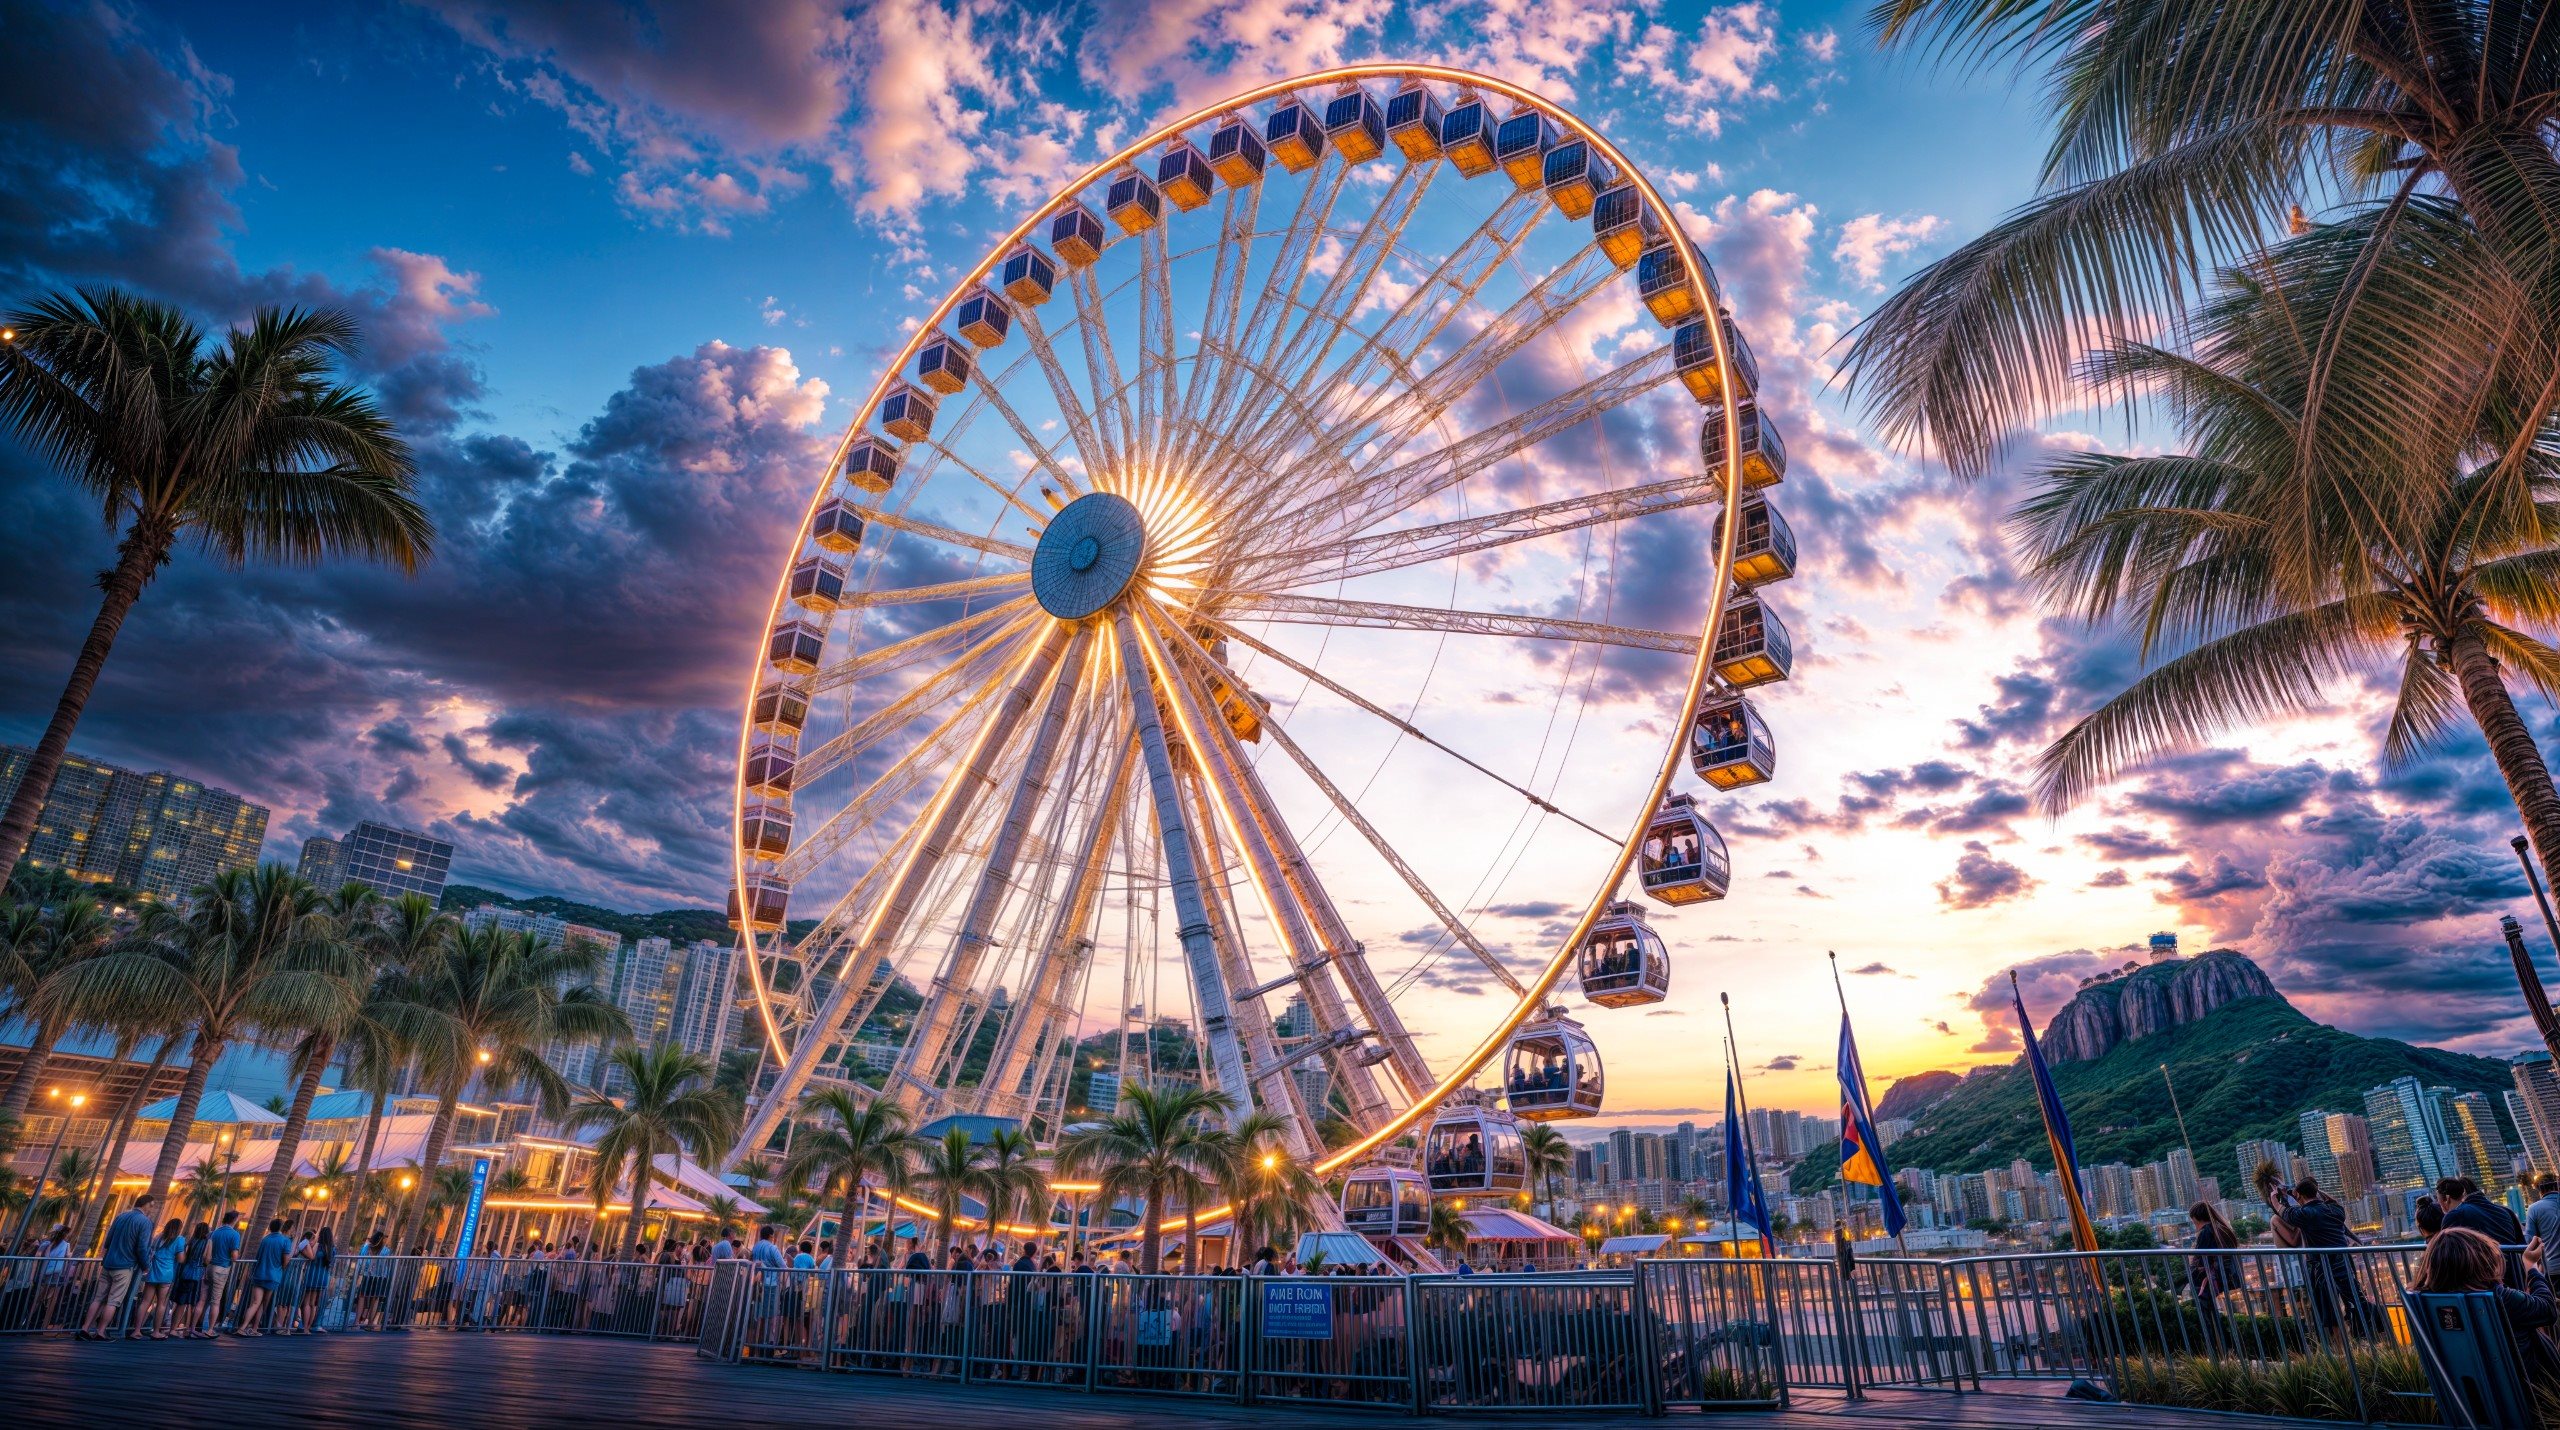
pixel 1870 241
pixel 1981 880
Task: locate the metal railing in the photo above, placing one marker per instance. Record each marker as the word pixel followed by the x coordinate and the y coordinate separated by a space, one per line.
pixel 1533 1343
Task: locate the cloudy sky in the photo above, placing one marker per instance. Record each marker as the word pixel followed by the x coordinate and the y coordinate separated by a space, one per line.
pixel 625 269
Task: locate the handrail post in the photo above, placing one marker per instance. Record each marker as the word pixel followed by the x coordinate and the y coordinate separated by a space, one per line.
pixel 1845 1327
pixel 1413 1330
pixel 1648 1344
pixel 1096 1308
pixel 1248 1337
pixel 968 1319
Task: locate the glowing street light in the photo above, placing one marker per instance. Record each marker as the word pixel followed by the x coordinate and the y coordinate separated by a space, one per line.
pixel 71 1101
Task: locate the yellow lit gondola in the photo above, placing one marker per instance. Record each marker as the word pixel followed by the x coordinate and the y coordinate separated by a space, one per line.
pixel 1237 153
pixel 1076 235
pixel 1413 123
pixel 817 584
pixel 768 900
pixel 871 463
pixel 1683 860
pixel 1764 550
pixel 1183 175
pixel 1028 276
pixel 764 831
pixel 907 413
pixel 1552 1071
pixel 943 364
pixel 1623 960
pixel 1520 146
pixel 796 647
pixel 1731 746
pixel 1622 225
pixel 1134 202
pixel 1474 1151
pixel 1662 284
pixel 1466 138
pixel 837 526
pixel 1294 136
pixel 781 708
pixel 1355 125
pixel 1575 176
pixel 1752 647
pixel 1764 452
pixel 1693 355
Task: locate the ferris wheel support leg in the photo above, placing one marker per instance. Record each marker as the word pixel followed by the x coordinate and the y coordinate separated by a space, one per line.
pixel 942 1005
pixel 1182 874
pixel 1278 1091
pixel 1062 955
pixel 958 797
pixel 1218 755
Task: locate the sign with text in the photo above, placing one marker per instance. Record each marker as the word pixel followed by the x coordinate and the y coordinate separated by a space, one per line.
pixel 471 1209
pixel 1296 1310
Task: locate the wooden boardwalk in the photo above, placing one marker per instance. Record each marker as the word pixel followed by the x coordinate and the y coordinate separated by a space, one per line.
pixel 511 1380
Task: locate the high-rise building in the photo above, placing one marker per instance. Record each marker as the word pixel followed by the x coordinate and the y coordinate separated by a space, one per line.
pixel 707 1011
pixel 2538 1088
pixel 2471 1130
pixel 1681 1163
pixel 159 834
pixel 2346 1169
pixel 2532 1150
pixel 2178 1177
pixel 1103 1098
pixel 390 861
pixel 2251 1153
pixel 2407 1127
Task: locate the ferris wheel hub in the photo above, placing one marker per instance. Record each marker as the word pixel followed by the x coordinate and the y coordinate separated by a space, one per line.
pixel 1088 556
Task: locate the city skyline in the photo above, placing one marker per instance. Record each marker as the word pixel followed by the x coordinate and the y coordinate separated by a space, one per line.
pixel 651 287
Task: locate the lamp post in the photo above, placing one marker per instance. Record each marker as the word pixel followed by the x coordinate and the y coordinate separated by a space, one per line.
pixel 71 1106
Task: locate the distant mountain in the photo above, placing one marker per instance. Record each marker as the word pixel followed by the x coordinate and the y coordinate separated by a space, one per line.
pixel 1911 1096
pixel 2247 1064
pixel 680 926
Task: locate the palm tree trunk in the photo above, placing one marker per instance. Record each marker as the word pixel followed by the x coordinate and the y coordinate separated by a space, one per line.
pixel 848 1231
pixel 643 1167
pixel 2520 762
pixel 289 1137
pixel 182 1118
pixel 1151 1233
pixel 126 1115
pixel 139 557
pixel 364 1159
pixel 429 1158
pixel 22 1088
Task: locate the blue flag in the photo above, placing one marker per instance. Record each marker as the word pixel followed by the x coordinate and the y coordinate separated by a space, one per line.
pixel 2057 1130
pixel 1742 1171
pixel 1861 1151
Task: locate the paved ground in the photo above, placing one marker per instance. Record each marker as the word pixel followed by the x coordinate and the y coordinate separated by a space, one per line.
pixel 506 1380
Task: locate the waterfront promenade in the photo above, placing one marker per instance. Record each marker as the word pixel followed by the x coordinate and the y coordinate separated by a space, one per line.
pixel 505 1380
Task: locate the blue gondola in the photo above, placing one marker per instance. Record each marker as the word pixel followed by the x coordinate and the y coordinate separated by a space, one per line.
pixel 1413 123
pixel 1295 136
pixel 983 319
pixel 796 647
pixel 1575 174
pixel 943 364
pixel 1237 153
pixel 1076 236
pixel 1765 549
pixel 1466 138
pixel 907 413
pixel 1355 125
pixel 1693 354
pixel 1764 452
pixel 837 526
pixel 1623 225
pixel 1134 202
pixel 871 463
pixel 1662 281
pixel 1184 177
pixel 1520 146
pixel 817 584
pixel 1028 276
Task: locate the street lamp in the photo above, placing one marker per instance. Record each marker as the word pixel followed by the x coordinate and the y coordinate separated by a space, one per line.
pixel 72 1102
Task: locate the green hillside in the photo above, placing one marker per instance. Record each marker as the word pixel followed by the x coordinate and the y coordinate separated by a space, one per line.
pixel 2245 1070
pixel 681 926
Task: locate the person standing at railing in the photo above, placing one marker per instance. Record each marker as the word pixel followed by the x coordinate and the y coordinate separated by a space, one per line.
pixel 192 1264
pixel 266 1277
pixel 2542 1220
pixel 221 1253
pixel 2466 1206
pixel 2319 1223
pixel 373 1281
pixel 128 1247
pixel 2209 1276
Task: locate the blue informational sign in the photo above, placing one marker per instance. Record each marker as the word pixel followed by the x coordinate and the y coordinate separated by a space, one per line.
pixel 1296 1310
pixel 471 1209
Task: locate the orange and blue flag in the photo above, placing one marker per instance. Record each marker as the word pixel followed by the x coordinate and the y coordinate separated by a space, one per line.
pixel 1861 1151
pixel 2057 1130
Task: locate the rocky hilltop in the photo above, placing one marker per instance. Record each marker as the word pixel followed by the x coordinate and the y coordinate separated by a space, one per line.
pixel 2150 999
pixel 1910 1096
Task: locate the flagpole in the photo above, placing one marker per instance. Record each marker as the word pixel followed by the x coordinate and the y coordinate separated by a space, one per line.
pixel 1843 995
pixel 1742 1095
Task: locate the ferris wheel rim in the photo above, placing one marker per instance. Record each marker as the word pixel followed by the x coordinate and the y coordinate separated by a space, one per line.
pixel 1462 1073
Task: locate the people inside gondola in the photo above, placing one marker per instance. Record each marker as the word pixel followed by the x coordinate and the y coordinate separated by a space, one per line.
pixel 1549 1075
pixel 1671 855
pixel 1722 734
pixel 1611 957
pixel 1462 1160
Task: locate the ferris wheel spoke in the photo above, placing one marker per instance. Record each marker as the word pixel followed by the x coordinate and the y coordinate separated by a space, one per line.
pixel 1225 307
pixel 1445 291
pixel 1451 540
pixel 1348 954
pixel 1363 702
pixel 1157 381
pixel 1102 366
pixel 1043 455
pixel 886 793
pixel 934 1023
pixel 961 590
pixel 969 671
pixel 1071 407
pixel 1065 948
pixel 1277 296
pixel 1388 616
pixel 1355 506
pixel 886 923
pixel 949 536
pixel 920 647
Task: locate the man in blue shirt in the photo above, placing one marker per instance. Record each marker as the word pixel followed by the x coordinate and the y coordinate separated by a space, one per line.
pixel 2542 1221
pixel 769 1259
pixel 266 1276
pixel 128 1246
pixel 224 1250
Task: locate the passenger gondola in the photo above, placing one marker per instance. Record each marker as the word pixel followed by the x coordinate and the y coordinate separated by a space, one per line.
pixel 1237 153
pixel 1466 138
pixel 1752 647
pixel 1134 202
pixel 1520 146
pixel 1355 125
pixel 770 764
pixel 837 526
pixel 1622 225
pixel 781 708
pixel 1731 746
pixel 1028 276
pixel 1386 1201
pixel 817 584
pixel 1683 860
pixel 1475 1151
pixel 983 319
pixel 764 829
pixel 1764 550
pixel 1623 961
pixel 943 364
pixel 871 463
pixel 796 647
pixel 1693 355
pixel 1764 452
pixel 907 413
pixel 1076 235
pixel 1552 1071
pixel 1294 136
pixel 1575 174
pixel 1183 176
pixel 1413 123
pixel 768 902
pixel 1662 284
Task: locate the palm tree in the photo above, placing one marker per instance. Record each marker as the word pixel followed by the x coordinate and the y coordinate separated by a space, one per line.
pixel 1156 1147
pixel 1448 1228
pixel 2280 557
pixel 1012 1183
pixel 36 955
pixel 1265 1184
pixel 949 1171
pixel 72 1173
pixel 848 1145
pixel 252 956
pixel 723 1212
pixel 205 1192
pixel 377 1047
pixel 671 1107
pixel 489 1007
pixel 2183 134
pixel 130 1031
pixel 1548 1157
pixel 250 449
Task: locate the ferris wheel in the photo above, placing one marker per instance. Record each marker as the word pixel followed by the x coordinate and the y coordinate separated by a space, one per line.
pixel 1271 582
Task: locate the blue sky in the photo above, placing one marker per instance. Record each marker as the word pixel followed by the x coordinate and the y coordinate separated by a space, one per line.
pixel 626 269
